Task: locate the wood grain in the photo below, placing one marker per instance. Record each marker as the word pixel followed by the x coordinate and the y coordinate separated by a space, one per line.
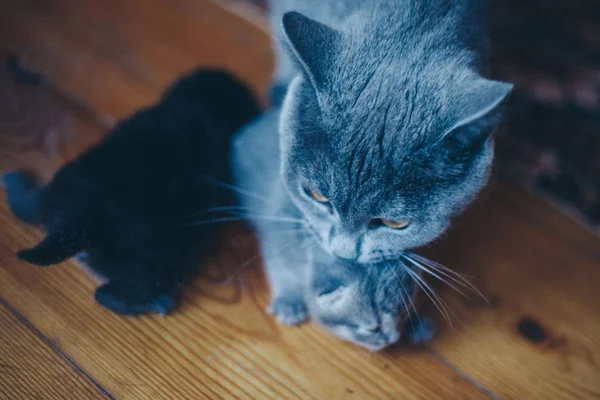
pixel 221 343
pixel 105 58
pixel 117 55
pixel 31 369
pixel 535 277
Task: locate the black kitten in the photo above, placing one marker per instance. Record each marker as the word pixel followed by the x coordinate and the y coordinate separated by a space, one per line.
pixel 122 205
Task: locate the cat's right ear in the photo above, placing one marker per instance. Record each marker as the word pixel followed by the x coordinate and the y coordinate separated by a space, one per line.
pixel 313 45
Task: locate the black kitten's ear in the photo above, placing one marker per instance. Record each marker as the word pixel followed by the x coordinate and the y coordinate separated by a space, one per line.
pixel 55 248
pixel 313 44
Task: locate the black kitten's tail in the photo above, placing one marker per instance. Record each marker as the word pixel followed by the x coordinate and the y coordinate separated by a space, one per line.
pixel 22 194
pixel 59 245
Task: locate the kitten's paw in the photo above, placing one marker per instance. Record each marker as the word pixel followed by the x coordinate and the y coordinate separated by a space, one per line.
pixel 289 310
pixel 85 262
pixel 83 258
pixel 126 298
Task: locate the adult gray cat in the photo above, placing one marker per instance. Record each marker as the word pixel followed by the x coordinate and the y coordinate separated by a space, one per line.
pixel 384 134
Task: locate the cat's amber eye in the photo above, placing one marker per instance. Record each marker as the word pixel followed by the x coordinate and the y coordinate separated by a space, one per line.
pixel 395 224
pixel 318 196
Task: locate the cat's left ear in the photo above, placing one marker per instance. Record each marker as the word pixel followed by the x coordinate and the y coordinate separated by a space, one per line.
pixel 478 103
pixel 313 44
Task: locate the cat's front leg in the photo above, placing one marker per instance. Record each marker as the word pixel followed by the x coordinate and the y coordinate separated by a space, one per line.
pixel 286 265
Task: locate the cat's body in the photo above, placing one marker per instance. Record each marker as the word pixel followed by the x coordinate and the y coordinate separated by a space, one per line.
pixel 124 205
pixel 383 136
pixel 363 304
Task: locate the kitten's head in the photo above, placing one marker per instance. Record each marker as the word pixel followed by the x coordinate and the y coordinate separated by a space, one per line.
pixel 365 307
pixel 383 141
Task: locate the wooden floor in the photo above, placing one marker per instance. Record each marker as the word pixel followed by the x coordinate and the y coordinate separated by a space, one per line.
pixel 539 338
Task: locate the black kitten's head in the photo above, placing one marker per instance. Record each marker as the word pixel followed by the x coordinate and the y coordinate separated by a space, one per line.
pixel 211 98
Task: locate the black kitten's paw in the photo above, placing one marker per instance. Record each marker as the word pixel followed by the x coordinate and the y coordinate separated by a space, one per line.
pixel 421 330
pixel 83 258
pixel 127 298
pixel 289 310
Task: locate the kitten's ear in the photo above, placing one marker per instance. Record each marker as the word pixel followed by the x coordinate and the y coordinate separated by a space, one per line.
pixel 480 100
pixel 313 44
pixel 335 298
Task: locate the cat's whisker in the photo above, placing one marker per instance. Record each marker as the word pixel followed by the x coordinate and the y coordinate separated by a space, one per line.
pixel 222 208
pixel 431 294
pixel 214 221
pixel 274 218
pixel 291 230
pixel 303 243
pixel 456 277
pixel 244 218
pixel 245 264
pixel 238 190
pixel 408 312
pixel 439 266
pixel 435 275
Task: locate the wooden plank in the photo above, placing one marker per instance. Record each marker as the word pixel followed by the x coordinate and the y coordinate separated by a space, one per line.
pixel 221 344
pixel 31 369
pixel 119 55
pixel 540 338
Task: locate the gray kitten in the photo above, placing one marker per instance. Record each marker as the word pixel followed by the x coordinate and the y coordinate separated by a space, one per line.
pixel 367 305
pixel 384 133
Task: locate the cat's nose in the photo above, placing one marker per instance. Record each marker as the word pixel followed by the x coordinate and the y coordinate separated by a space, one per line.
pixel 344 247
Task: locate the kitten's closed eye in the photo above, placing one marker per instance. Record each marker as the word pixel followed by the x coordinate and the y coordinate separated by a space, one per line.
pixel 336 298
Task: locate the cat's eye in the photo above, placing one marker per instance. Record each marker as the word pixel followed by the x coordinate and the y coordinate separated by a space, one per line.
pixel 317 196
pixel 401 224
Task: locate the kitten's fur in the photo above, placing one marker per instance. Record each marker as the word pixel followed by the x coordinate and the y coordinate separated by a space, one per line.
pixel 125 201
pixel 365 304
pixel 385 114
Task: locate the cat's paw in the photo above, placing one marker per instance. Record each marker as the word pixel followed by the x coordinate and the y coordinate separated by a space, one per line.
pixel 289 310
pixel 127 298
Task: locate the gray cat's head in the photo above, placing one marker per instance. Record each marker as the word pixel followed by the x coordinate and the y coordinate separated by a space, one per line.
pixel 383 141
pixel 365 307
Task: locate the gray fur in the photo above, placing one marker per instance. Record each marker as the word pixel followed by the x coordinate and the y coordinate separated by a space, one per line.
pixel 386 115
pixel 364 304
